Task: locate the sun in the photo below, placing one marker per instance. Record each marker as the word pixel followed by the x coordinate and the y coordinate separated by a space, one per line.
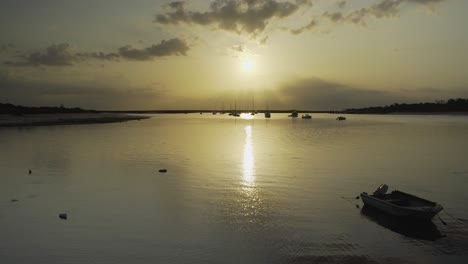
pixel 248 65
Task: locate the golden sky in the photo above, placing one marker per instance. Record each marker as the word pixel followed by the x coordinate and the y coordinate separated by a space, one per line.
pixel 303 54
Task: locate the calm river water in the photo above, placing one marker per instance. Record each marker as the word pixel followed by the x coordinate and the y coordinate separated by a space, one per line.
pixel 235 190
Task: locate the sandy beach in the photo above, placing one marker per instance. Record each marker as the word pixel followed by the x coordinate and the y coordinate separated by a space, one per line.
pixel 65 119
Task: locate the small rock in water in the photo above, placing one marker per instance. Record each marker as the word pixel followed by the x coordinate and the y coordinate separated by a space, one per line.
pixel 63 216
pixel 14 200
pixel 162 170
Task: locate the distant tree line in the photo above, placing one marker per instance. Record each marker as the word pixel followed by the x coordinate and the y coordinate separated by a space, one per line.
pixel 452 105
pixel 19 110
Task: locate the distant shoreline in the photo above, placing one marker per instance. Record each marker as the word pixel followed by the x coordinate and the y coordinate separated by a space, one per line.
pixel 286 112
pixel 64 119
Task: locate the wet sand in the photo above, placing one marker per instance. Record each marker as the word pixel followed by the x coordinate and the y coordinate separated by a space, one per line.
pixel 65 119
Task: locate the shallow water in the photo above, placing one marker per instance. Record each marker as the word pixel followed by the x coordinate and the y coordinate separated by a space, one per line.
pixel 236 191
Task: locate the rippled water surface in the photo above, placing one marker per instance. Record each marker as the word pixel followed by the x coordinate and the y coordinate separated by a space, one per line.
pixel 236 190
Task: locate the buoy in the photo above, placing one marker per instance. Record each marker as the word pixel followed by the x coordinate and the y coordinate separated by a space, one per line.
pixel 63 216
pixel 162 170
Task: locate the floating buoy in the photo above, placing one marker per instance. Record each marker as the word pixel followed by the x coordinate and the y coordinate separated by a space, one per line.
pixel 162 170
pixel 63 216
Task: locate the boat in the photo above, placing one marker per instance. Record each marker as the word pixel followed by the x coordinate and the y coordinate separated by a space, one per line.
pixel 341 118
pixel 306 116
pixel 267 111
pixel 401 204
pixel 293 114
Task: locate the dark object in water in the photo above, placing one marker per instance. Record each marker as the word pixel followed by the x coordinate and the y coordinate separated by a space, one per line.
pixel 423 230
pixel 401 204
pixel 341 118
pixel 306 116
pixel 63 216
pixel 293 114
pixel 30 171
pixel 162 170
pixel 14 200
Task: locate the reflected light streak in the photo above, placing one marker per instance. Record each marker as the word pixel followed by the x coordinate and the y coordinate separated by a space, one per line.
pixel 248 168
pixel 246 116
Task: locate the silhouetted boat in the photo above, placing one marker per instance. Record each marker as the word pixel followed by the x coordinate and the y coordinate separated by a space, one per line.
pixel 341 118
pixel 424 230
pixel 293 114
pixel 401 204
pixel 306 116
pixel 267 114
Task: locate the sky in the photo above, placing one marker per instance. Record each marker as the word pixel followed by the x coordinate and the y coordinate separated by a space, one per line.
pixel 212 54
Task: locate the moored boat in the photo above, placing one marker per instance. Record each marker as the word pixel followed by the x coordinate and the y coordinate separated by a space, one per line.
pixel 293 114
pixel 306 116
pixel 341 118
pixel 401 204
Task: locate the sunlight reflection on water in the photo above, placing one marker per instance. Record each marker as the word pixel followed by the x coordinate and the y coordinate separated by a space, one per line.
pixel 248 163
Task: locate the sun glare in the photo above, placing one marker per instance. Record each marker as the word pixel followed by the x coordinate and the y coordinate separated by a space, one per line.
pixel 248 65
pixel 246 116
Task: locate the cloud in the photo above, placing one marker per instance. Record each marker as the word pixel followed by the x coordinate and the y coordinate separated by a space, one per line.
pixel 382 9
pixel 240 16
pixel 172 47
pixel 317 94
pixel 110 94
pixel 252 17
pixel 55 55
pixel 63 55
pixel 341 3
pixel 312 25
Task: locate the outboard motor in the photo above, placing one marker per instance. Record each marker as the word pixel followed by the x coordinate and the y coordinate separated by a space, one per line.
pixel 381 191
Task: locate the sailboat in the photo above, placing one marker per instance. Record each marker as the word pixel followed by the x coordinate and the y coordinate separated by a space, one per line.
pixel 267 112
pixel 253 107
pixel 234 113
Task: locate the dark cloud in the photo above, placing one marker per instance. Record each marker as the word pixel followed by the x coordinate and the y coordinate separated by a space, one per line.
pixel 62 54
pixel 240 16
pixel 341 3
pixel 382 9
pixel 55 55
pixel 317 94
pixel 312 25
pixel 97 56
pixel 105 95
pixel 172 47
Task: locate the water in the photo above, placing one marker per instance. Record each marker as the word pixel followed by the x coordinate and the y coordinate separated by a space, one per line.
pixel 236 191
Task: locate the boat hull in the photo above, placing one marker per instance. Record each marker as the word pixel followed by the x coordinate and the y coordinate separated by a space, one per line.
pixel 423 213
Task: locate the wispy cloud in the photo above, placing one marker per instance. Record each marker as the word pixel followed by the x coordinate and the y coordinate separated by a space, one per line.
pixel 382 9
pixel 63 55
pixel 252 17
pixel 240 16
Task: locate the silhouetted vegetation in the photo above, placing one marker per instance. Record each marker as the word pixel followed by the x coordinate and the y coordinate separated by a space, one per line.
pixel 450 106
pixel 19 110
